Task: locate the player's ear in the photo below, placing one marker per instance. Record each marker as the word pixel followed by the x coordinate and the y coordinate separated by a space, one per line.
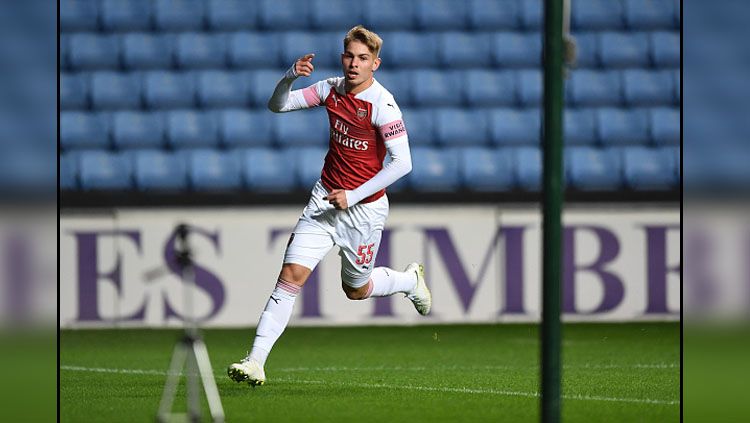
pixel 376 64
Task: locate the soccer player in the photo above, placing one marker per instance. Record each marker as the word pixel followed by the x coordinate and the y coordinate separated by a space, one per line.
pixel 348 206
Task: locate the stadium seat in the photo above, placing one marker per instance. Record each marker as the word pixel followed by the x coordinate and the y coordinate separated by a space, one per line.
pixel 665 49
pixel 649 14
pixel 84 130
pixel 527 168
pixel 484 169
pixel 92 51
pixel 420 126
pixel 79 15
pixel 460 127
pixel 434 88
pixel 409 50
pixel 529 87
pixel 308 164
pixel 330 15
pixel 159 170
pixel 441 14
pixel 254 50
pixel 590 169
pixel 434 170
pixel 179 15
pixel 213 170
pixel 200 50
pixel 103 170
pixel 515 126
pixel 279 15
pixel 301 128
pixel 115 90
pixel 649 169
pixel 494 15
pixel 594 88
pixel 516 49
pixel 643 87
pixel 489 88
pixel 132 129
pixel 587 49
pixel 619 49
pixel 74 91
pixel 244 128
pixel 147 51
pixel 262 84
pixel 126 15
pixel 397 83
pixel 677 92
pixel 191 129
pixel 267 170
pixel 383 15
pixel 223 89
pixel 465 50
pixel 296 44
pixel 665 125
pixel 597 14
pixel 68 172
pixel 580 127
pixel 531 14
pixel 64 51
pixel 230 15
pixel 622 126
pixel 163 90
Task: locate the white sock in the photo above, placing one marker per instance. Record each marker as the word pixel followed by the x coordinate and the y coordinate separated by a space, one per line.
pixel 385 282
pixel 274 319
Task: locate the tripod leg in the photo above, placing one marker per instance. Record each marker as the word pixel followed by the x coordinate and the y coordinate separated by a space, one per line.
pixel 209 384
pixel 173 378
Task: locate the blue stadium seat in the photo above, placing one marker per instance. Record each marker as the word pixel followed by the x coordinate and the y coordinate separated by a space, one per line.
pixel 594 88
pixel 192 129
pixel 494 15
pixel 591 169
pixel 527 168
pixel 490 88
pixel 619 49
pixel 262 84
pixel 254 50
pixel 103 170
pixel 650 14
pixel 580 126
pixel 409 50
pixel 460 127
pixel 465 50
pixel 279 15
pixel 229 15
pixel 677 93
pixel 529 87
pixel 296 44
pixel 74 91
pixel 434 170
pixel 240 127
pixel 665 125
pixel 115 90
pixel 164 90
pixel 213 170
pixel 587 49
pixel 441 14
pixel 622 126
pixel 329 15
pixel 531 14
pixel 132 129
pixel 223 89
pixel 436 88
pixel 68 172
pixel 64 51
pixel 397 83
pixel 665 49
pixel 648 168
pixel 159 170
pixel 91 51
pixel 484 169
pixel 420 126
pixel 597 14
pixel 516 49
pixel 308 164
pixel 179 15
pixel 382 15
pixel 201 50
pixel 84 130
pixel 79 15
pixel 147 51
pixel 268 170
pixel 515 126
pixel 301 128
pixel 126 15
pixel 643 87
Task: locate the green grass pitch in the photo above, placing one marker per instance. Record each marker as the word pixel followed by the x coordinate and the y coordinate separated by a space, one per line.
pixel 432 373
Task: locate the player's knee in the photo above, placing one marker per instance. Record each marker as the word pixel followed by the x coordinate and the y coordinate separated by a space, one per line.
pixel 294 273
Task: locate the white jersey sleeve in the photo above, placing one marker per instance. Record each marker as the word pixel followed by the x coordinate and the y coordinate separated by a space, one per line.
pixel 286 100
pixel 389 121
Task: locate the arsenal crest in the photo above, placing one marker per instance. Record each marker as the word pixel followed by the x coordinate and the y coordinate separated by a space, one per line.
pixel 361 113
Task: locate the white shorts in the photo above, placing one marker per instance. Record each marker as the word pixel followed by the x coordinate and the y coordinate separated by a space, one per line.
pixel 356 230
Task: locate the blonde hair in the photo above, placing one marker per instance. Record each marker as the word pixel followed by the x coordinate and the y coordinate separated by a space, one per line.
pixel 366 37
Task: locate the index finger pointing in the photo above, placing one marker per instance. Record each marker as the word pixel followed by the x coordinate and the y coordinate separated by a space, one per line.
pixel 307 57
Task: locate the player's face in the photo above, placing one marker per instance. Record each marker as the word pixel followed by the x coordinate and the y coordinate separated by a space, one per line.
pixel 358 63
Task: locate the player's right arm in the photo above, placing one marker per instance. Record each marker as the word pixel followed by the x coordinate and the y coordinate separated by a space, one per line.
pixel 286 100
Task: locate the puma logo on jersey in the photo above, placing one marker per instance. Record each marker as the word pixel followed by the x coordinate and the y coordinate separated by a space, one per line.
pixel 391 105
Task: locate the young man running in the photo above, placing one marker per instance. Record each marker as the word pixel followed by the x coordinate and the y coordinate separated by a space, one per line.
pixel 348 206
